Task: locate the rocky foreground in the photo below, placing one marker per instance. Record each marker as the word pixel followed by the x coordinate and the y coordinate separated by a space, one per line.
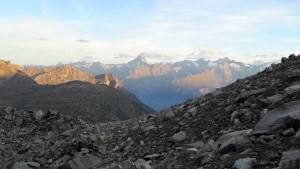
pixel 252 123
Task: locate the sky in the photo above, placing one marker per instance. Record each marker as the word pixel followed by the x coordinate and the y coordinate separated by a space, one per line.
pixel 46 32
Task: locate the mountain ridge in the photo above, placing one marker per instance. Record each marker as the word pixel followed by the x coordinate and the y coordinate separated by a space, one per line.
pixel 152 81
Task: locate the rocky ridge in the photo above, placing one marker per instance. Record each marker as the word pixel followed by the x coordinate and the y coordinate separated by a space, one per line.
pixel 252 123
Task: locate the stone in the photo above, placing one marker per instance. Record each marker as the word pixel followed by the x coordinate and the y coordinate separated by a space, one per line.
pixel 149 128
pixel 39 115
pixel 193 111
pixel 152 156
pixel 142 164
pixel 84 162
pixel 289 132
pixel 226 137
pixel 279 118
pixel 235 141
pixel 244 163
pixel 297 135
pixel 19 121
pixel 247 94
pixel 290 159
pixel 180 136
pixel 169 114
pixel 292 89
pixel 21 165
pixel 274 99
pixel 127 164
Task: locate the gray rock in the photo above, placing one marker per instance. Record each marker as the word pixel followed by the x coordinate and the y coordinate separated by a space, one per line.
pixel 274 99
pixel 278 118
pixel 297 135
pixel 19 121
pixel 193 111
pixel 290 159
pixel 292 89
pixel 235 141
pixel 226 137
pixel 84 162
pixel 142 164
pixel 247 94
pixel 180 136
pixel 149 128
pixel 289 132
pixel 127 164
pixel 39 115
pixel 21 165
pixel 245 163
pixel 169 114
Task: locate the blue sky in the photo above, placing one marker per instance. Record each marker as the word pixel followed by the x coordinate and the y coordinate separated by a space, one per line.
pixel 51 31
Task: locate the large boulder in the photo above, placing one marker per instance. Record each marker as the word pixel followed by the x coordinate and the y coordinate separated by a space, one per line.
pixel 290 159
pixel 235 141
pixel 284 117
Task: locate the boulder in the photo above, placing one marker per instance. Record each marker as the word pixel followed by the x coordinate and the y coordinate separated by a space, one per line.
pixel 180 136
pixel 84 162
pixel 244 163
pixel 284 117
pixel 246 94
pixel 235 141
pixel 273 99
pixel 290 159
pixel 292 89
pixel 289 132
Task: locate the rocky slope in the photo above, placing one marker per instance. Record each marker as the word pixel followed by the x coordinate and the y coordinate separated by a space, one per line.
pixel 252 123
pixel 161 85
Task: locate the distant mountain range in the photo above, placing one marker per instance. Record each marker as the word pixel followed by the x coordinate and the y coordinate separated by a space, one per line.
pixel 161 85
pixel 97 98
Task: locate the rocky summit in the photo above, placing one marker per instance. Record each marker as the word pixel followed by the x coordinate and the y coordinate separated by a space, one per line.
pixel 252 123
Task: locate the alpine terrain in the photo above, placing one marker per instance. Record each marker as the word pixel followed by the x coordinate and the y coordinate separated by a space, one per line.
pixel 251 123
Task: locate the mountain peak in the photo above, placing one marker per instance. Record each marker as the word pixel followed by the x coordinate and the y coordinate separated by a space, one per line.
pixel 140 59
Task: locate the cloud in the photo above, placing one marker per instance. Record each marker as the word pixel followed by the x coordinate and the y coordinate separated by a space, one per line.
pixel 83 41
pixel 24 49
pixel 123 56
pixel 41 39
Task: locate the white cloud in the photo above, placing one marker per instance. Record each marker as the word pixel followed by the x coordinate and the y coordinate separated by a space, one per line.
pixel 45 42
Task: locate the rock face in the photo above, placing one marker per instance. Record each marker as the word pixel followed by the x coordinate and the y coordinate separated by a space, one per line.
pixel 198 133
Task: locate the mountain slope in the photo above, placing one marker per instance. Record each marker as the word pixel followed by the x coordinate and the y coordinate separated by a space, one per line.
pixel 94 103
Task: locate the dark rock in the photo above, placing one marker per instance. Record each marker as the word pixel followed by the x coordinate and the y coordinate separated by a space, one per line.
pixel 290 159
pixel 278 118
pixel 84 162
pixel 289 132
